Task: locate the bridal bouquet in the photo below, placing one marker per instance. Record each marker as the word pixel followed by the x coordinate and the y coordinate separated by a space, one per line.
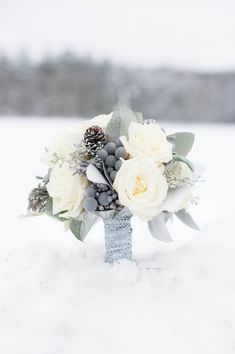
pixel 112 167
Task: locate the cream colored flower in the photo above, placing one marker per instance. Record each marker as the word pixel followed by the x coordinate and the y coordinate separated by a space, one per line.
pixel 148 141
pixel 101 121
pixel 141 187
pixel 67 190
pixel 63 145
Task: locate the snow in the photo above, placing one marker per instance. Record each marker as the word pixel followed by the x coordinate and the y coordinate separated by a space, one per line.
pixel 58 297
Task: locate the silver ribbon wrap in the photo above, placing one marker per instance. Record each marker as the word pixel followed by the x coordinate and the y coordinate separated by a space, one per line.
pixel 118 238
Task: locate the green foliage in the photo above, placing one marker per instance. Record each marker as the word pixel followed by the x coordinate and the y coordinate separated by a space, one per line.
pixel 187 219
pixel 158 228
pixel 120 121
pixel 49 211
pixel 183 142
pixel 82 225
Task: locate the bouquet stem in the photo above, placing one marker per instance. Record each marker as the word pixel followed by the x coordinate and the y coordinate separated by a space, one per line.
pixel 118 239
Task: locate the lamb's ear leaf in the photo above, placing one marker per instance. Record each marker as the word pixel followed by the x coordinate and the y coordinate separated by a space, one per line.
pixel 94 175
pixel 113 129
pixel 75 227
pixel 119 123
pixel 187 219
pixel 167 215
pixel 158 228
pixel 89 220
pixel 183 142
pixel 49 211
pixel 82 225
pixel 139 117
pixel 127 116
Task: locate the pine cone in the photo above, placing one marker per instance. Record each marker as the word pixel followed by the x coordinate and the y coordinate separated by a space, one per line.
pixel 94 139
pixel 38 198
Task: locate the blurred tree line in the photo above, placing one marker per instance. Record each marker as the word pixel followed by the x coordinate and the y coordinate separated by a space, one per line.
pixel 69 85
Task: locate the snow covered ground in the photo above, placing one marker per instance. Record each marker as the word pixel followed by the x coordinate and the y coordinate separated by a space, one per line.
pixel 58 297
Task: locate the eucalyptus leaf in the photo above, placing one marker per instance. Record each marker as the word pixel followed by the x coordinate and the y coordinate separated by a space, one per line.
pixel 158 228
pixel 113 129
pixel 183 142
pixel 94 175
pixel 139 117
pixel 49 211
pixel 75 227
pixel 167 215
pixel 89 220
pixel 187 219
pixel 120 121
pixel 82 225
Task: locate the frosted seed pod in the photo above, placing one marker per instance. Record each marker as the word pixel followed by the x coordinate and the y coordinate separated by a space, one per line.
pixel 104 199
pixel 109 192
pixel 113 175
pixel 121 152
pixel 101 208
pixel 97 194
pixel 102 187
pixel 110 161
pixel 114 196
pixel 112 206
pixel 110 148
pixel 109 170
pixel 90 204
pixel 91 191
pixel 102 154
pixel 119 143
pixel 118 165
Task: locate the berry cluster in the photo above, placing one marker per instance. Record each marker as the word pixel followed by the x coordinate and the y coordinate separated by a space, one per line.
pixel 111 155
pixel 101 197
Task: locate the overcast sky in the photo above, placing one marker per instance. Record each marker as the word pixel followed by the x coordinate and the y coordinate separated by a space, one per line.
pixel 183 33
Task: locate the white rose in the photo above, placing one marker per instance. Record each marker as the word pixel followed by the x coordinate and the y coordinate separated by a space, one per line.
pixel 67 190
pixel 63 145
pixel 141 187
pixel 148 141
pixel 101 121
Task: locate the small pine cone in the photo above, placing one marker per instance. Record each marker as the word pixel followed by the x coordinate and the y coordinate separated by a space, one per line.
pixel 38 198
pixel 94 139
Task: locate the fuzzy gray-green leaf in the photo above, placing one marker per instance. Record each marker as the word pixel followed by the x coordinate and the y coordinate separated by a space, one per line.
pixel 120 121
pixel 49 211
pixel 158 228
pixel 183 142
pixel 82 225
pixel 75 227
pixel 113 129
pixel 187 219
